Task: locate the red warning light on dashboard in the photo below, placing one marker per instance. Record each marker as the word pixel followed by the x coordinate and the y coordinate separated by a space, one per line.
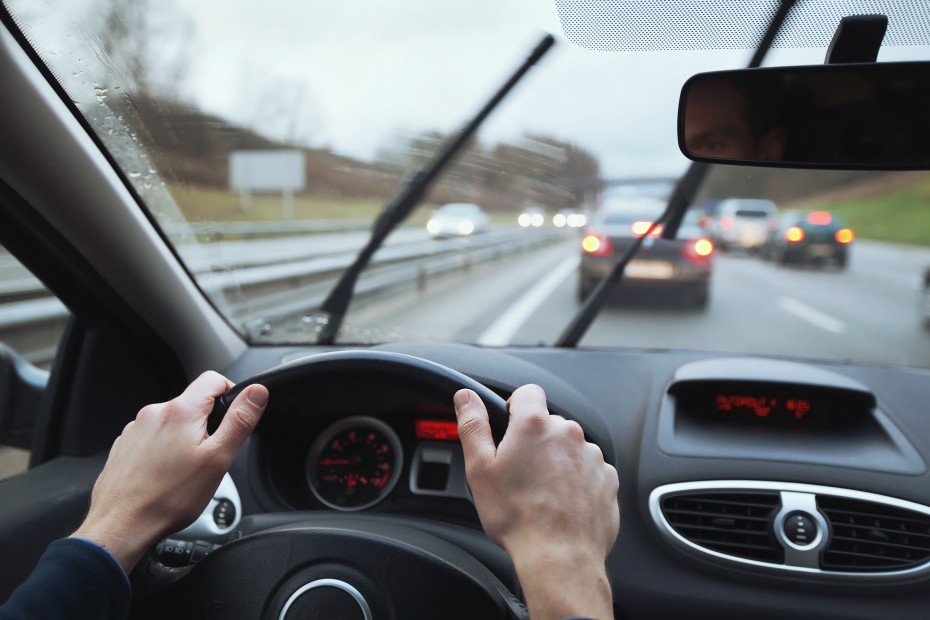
pixel 437 429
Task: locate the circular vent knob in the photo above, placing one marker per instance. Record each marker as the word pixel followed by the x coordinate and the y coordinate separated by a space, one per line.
pixel 800 528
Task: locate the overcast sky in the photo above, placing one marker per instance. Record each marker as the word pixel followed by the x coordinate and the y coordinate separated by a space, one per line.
pixel 354 75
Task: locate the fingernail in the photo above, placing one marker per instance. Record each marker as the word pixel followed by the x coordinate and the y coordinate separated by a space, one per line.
pixel 257 396
pixel 461 398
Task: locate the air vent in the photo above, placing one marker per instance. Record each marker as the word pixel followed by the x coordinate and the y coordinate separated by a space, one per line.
pixel 868 536
pixel 733 523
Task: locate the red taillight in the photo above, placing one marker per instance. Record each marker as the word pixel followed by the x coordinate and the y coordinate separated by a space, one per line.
pixel 596 245
pixel 819 218
pixel 698 250
pixel 794 234
pixel 844 235
pixel 726 222
pixel 639 229
pixel 703 247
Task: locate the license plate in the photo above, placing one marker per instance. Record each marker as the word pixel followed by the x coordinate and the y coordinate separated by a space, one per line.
pixel 653 270
pixel 820 250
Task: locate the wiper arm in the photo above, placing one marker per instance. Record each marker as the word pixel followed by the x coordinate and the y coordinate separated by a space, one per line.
pixel 683 195
pixel 409 196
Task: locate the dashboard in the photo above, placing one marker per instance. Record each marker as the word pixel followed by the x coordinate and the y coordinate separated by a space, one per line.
pixel 753 485
pixel 760 486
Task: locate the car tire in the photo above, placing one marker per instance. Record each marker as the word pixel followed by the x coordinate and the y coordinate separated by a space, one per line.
pixel 841 261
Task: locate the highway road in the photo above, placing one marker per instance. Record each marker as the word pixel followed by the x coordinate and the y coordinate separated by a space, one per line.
pixel 869 312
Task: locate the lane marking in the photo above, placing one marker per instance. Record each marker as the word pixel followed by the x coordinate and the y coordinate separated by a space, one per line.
pixel 812 316
pixel 502 330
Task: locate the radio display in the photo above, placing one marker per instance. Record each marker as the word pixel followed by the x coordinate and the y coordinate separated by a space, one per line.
pixel 772 404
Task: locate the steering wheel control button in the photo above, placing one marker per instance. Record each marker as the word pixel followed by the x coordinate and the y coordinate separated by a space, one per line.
pixel 326 598
pixel 800 528
pixel 224 514
pixel 174 553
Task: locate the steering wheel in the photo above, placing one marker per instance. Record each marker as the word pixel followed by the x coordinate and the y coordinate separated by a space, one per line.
pixel 350 566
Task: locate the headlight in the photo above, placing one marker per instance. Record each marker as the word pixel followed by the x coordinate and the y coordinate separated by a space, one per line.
pixel 577 220
pixel 523 219
pixel 559 220
pixel 466 228
pixel 537 220
pixel 434 227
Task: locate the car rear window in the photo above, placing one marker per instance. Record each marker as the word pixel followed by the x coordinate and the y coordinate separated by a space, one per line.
pixel 751 213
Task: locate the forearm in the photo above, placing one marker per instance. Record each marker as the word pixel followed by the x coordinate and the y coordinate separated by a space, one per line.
pixel 126 545
pixel 564 585
pixel 74 579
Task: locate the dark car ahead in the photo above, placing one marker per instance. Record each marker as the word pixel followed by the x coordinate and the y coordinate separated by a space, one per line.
pixel 681 266
pixel 812 237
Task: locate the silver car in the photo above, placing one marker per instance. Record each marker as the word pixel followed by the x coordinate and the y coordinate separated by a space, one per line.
pixel 744 223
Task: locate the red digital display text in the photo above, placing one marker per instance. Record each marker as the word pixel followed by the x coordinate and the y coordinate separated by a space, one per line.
pixel 437 429
pixel 764 406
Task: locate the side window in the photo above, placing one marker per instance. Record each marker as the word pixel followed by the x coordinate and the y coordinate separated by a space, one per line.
pixel 32 321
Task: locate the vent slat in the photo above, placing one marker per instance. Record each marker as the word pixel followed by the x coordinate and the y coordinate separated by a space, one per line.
pixel 733 530
pixel 891 545
pixel 699 513
pixel 869 536
pixel 734 523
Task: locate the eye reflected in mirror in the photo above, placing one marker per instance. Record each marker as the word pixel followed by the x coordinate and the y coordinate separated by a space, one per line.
pixel 868 116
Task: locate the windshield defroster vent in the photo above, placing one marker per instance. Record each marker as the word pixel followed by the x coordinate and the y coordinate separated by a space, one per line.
pixel 732 523
pixel 867 536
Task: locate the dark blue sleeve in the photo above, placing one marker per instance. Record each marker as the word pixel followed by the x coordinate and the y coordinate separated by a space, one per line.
pixel 75 578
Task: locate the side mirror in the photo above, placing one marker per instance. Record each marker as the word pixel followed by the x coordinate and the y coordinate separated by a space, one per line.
pixel 873 116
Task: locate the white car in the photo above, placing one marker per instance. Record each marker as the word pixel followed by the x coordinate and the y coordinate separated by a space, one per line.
pixel 745 223
pixel 458 219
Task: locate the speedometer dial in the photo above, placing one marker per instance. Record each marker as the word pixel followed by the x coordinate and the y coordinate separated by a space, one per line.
pixel 354 463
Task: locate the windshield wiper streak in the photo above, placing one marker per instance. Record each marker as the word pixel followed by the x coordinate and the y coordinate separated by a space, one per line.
pixel 410 194
pixel 684 193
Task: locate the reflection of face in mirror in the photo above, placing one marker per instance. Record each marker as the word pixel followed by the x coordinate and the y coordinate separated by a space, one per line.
pixel 722 122
pixel 869 116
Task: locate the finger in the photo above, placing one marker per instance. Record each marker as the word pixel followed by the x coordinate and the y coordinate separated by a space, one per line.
pixel 474 427
pixel 199 396
pixel 210 384
pixel 240 420
pixel 527 402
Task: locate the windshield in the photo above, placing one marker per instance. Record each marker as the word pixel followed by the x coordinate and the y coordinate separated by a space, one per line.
pixel 264 140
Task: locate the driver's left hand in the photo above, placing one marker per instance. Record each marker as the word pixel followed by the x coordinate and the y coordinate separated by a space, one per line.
pixel 164 468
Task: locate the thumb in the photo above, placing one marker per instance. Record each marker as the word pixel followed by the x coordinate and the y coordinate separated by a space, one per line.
pixel 474 428
pixel 240 420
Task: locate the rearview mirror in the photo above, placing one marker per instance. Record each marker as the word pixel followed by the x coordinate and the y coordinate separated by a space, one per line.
pixel 872 116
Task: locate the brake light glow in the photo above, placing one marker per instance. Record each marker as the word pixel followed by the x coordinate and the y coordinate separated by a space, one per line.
pixel 794 234
pixel 596 245
pixel 640 228
pixel 726 222
pixel 844 235
pixel 819 218
pixel 703 247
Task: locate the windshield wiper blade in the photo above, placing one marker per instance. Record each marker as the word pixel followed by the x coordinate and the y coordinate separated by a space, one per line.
pixel 409 196
pixel 670 220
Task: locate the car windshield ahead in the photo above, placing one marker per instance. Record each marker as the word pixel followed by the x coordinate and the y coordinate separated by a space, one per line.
pixel 264 139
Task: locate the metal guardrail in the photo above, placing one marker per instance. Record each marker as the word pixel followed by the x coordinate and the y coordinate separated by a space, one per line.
pixel 257 297
pixel 252 230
